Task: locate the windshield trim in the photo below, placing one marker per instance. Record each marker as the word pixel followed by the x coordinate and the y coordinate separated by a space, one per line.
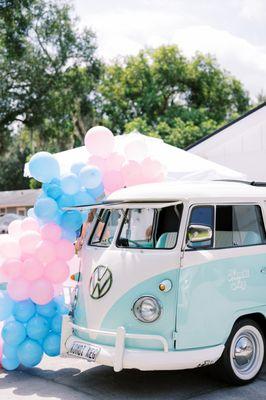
pixel 122 205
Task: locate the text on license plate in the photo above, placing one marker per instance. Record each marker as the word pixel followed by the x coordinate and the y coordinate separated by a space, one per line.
pixel 84 351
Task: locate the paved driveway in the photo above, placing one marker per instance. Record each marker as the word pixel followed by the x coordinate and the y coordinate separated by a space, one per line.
pixel 72 380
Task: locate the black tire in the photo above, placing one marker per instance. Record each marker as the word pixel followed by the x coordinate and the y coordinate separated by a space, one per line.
pixel 243 356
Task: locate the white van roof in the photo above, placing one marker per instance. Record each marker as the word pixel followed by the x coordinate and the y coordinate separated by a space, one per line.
pixel 221 191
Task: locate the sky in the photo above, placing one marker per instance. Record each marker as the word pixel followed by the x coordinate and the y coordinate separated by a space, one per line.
pixel 232 30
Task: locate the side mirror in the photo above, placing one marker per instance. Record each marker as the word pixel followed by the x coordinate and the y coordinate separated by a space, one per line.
pixel 198 234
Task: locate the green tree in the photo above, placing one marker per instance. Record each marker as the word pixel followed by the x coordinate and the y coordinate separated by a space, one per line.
pixel 12 167
pixel 160 92
pixel 48 74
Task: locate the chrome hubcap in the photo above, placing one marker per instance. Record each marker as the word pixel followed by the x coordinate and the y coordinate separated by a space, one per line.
pixel 244 352
pixel 247 352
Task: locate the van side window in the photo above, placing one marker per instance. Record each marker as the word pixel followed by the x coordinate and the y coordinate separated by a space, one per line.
pixel 239 225
pixel 147 228
pixel 202 215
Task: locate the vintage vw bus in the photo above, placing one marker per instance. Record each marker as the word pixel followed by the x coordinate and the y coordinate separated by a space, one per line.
pixel 173 276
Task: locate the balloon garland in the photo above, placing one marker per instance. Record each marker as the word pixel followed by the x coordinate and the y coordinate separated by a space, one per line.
pixel 35 252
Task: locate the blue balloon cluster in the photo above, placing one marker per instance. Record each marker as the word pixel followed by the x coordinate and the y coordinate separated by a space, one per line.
pixel 30 331
pixel 82 186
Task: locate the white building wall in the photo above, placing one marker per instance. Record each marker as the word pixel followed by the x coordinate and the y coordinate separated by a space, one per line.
pixel 241 146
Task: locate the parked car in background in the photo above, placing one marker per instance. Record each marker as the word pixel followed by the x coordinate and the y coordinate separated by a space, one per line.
pixel 6 219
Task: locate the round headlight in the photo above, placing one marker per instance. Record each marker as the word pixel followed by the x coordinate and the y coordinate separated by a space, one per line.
pixel 147 309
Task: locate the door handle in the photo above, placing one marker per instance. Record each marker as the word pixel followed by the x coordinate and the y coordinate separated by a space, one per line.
pixel 263 270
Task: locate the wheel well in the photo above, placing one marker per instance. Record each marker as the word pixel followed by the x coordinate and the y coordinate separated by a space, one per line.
pixel 257 317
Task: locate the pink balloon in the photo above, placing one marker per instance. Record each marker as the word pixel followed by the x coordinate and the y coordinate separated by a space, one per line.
pixel 113 180
pixel 58 290
pixel 9 247
pixel 99 162
pixel 32 269
pixel 57 271
pixel 136 150
pixel 153 170
pixel 115 161
pixel 29 241
pixel 132 173
pixel 14 228
pixel 99 141
pixel 18 289
pixel 11 268
pixel 51 232
pixel 65 250
pixel 46 251
pixel 1 345
pixel 41 291
pixel 30 224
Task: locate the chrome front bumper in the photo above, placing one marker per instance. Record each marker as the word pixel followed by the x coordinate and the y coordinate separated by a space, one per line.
pixel 119 357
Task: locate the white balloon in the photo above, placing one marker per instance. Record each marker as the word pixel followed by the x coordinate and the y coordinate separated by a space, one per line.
pixel 14 228
pixel 9 247
pixel 136 150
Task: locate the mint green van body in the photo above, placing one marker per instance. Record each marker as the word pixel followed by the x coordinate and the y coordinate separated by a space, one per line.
pixel 173 276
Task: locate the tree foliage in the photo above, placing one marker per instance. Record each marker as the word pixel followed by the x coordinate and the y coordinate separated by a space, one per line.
pixel 48 73
pixel 53 88
pixel 160 92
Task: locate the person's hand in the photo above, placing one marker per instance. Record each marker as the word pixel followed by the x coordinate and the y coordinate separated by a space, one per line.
pixel 79 244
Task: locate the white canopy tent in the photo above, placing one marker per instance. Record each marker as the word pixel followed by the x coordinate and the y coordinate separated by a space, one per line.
pixel 240 145
pixel 179 163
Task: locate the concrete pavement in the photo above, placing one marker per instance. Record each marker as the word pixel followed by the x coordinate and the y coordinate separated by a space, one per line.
pixel 65 379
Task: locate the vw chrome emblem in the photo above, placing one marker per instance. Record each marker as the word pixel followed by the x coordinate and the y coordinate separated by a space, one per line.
pixel 100 282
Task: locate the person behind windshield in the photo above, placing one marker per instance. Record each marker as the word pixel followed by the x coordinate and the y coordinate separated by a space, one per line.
pixel 80 240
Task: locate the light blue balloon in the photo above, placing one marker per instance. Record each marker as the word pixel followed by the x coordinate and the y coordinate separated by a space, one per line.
pixel 9 351
pixel 6 305
pixel 47 310
pixel 83 198
pixel 45 208
pixel 66 201
pixel 56 324
pixel 61 305
pixel 71 220
pixel 31 213
pixel 57 217
pixel 51 345
pixel 30 353
pixel 71 236
pixel 90 177
pixel 54 191
pixel 97 192
pixel 24 310
pixel 46 186
pixel 75 168
pixel 70 184
pixel 14 333
pixel 84 215
pixel 10 364
pixel 44 167
pixel 38 327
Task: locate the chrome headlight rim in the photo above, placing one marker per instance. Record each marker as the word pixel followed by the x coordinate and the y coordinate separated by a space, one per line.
pixel 137 304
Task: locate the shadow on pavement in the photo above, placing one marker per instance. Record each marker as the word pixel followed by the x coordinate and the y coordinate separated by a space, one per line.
pixel 104 383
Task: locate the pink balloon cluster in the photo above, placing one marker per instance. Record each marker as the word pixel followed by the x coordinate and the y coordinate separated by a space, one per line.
pixel 35 260
pixel 1 344
pixel 132 167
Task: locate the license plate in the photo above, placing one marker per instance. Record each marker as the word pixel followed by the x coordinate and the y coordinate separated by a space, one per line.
pixel 86 351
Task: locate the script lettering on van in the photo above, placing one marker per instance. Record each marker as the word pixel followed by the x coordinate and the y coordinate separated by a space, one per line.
pixel 238 279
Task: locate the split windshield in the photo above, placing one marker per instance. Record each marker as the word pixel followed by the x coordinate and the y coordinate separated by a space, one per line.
pixel 145 228
pixel 105 228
